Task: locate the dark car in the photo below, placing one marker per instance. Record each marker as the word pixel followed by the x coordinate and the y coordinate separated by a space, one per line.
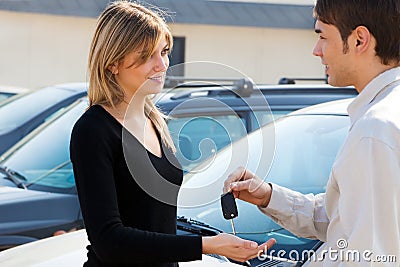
pixel 22 113
pixel 40 162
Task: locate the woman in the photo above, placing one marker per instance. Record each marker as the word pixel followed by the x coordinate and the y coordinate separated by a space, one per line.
pixel 118 160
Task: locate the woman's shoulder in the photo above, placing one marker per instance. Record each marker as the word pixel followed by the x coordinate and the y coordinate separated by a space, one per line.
pixel 93 123
pixel 93 116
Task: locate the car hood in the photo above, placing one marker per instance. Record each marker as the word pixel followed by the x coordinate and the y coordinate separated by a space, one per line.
pixel 70 250
pixel 29 209
pixel 11 194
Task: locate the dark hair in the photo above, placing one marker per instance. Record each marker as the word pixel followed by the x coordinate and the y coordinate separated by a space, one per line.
pixel 381 17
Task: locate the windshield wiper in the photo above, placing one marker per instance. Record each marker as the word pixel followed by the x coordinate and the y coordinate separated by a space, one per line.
pixel 14 177
pixel 56 168
pixel 196 227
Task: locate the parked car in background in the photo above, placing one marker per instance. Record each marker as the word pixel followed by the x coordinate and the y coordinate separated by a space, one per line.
pixel 22 113
pixel 29 215
pixel 205 118
pixel 9 91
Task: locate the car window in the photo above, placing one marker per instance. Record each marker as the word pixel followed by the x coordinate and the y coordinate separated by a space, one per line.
pixel 198 138
pixel 50 165
pixel 25 107
pixel 261 118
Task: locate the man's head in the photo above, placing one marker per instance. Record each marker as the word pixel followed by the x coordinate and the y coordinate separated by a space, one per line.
pixel 380 17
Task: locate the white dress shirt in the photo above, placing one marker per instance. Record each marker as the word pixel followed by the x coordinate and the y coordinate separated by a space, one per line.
pixel 361 206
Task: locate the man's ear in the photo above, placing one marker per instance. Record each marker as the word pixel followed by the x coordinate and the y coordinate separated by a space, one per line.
pixel 113 68
pixel 362 38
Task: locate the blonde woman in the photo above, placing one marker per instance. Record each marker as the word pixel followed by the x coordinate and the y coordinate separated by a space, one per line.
pixel 118 159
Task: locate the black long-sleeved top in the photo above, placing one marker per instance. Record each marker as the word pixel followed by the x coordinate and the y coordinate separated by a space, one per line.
pixel 116 179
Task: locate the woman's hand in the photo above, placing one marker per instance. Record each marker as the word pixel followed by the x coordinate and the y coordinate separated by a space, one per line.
pixel 234 247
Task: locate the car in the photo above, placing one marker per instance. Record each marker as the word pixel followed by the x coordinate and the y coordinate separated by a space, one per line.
pixel 205 118
pixel 296 151
pixel 28 215
pixel 22 113
pixel 49 172
pixel 9 91
pixel 70 250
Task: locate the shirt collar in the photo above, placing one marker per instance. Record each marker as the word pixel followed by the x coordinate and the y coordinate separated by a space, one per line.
pixel 361 103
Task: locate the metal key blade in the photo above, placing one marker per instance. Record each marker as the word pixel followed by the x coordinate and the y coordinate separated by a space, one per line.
pixel 233 226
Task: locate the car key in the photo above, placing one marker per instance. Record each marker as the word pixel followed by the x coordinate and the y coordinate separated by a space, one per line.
pixel 230 211
pixel 229 208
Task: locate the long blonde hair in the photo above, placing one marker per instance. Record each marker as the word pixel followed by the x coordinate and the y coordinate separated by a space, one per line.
pixel 122 27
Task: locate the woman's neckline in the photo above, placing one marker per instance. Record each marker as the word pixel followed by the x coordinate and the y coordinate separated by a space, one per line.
pixel 137 140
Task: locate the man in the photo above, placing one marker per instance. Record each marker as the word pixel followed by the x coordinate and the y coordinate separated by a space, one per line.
pixel 359 44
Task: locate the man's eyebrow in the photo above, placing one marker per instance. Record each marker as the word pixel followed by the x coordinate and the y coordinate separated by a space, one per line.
pixel 318 31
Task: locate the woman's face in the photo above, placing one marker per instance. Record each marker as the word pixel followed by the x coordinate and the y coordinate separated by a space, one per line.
pixel 147 78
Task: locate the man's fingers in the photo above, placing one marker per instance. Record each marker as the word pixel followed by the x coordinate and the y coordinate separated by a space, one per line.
pixel 236 175
pixel 233 177
pixel 240 186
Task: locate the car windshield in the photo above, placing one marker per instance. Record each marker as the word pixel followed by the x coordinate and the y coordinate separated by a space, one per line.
pixel 303 147
pixel 50 166
pixel 21 108
pixel 306 147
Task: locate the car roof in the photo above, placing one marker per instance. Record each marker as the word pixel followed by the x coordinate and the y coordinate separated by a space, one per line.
pixel 336 107
pixel 76 87
pixel 187 91
pixel 287 96
pixel 13 89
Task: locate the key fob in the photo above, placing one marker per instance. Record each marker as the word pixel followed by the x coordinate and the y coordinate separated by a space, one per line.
pixel 228 205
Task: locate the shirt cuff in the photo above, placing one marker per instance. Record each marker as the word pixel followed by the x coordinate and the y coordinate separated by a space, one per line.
pixel 280 202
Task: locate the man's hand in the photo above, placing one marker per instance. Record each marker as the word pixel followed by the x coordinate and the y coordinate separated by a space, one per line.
pixel 234 247
pixel 248 187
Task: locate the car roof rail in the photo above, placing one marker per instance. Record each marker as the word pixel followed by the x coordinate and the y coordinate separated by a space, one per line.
pixel 286 80
pixel 243 87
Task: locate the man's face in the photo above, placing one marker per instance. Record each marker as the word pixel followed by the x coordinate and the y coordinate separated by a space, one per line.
pixel 338 59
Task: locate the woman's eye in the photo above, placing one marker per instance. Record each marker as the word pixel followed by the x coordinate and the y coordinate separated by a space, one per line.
pixel 165 52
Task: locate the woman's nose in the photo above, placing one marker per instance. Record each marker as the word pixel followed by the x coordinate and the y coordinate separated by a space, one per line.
pixel 161 63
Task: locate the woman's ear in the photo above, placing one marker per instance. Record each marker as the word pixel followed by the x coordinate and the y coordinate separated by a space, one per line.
pixel 362 39
pixel 113 68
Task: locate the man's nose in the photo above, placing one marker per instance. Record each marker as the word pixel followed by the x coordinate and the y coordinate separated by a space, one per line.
pixel 317 51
